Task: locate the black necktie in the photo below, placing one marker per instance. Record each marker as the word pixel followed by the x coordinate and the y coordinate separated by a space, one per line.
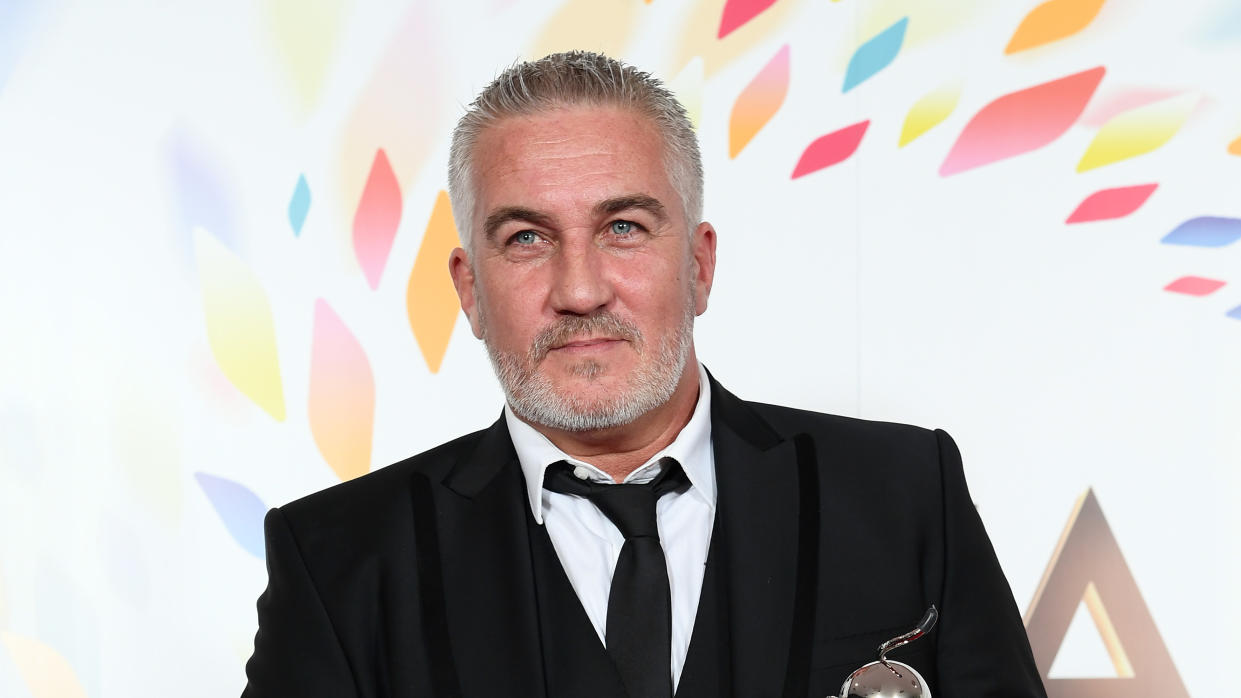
pixel 639 625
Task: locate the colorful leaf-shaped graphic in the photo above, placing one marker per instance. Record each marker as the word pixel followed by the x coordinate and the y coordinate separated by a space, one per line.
pixel 831 149
pixel 1108 104
pixel 697 35
pixel 431 299
pixel 1109 204
pixel 687 86
pixel 239 324
pixel 1137 131
pixel 875 55
pixel 1021 121
pixel 1205 231
pixel 21 21
pixel 928 112
pixel 1194 286
pixel 240 509
pixel 305 35
pixel 1235 313
pixel 46 672
pixel 377 218
pixel 1052 21
pixel 205 197
pixel 299 205
pixel 1222 25
pixel 1235 146
pixel 759 101
pixel 929 23
pixel 342 395
pixel 401 109
pixel 738 12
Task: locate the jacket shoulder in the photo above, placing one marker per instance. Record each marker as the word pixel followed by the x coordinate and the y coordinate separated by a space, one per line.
pixel 867 453
pixel 848 431
pixel 370 502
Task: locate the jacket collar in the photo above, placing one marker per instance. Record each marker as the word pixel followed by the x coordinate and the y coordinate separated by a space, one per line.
pixel 477 469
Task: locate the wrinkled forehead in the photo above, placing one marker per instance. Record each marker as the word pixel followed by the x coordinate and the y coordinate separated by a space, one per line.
pixel 570 150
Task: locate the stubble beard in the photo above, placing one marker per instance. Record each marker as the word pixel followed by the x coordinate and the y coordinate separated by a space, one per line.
pixel 533 397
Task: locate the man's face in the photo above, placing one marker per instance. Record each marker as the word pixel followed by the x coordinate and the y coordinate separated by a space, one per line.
pixel 585 277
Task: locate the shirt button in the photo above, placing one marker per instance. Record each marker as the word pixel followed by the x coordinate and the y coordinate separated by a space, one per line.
pixel 581 472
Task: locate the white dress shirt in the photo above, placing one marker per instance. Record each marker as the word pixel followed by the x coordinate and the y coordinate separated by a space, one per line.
pixel 588 543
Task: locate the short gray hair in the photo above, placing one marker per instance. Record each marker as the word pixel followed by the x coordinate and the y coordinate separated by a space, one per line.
pixel 575 78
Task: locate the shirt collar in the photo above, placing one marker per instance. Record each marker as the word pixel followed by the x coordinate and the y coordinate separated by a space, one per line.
pixel 691 448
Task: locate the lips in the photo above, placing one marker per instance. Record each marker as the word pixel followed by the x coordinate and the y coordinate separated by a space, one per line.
pixel 584 334
pixel 588 343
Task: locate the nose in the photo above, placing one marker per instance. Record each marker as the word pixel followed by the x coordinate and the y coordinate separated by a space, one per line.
pixel 581 285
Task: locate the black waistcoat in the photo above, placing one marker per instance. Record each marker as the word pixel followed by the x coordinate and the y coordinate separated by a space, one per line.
pixel 575 662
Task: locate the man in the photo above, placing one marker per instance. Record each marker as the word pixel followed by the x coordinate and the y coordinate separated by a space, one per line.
pixel 627 527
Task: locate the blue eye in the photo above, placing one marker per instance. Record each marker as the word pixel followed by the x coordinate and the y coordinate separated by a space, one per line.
pixel 525 237
pixel 622 227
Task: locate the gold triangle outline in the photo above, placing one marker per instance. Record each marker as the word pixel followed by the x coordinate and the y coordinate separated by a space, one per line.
pixel 1107 634
pixel 1087 565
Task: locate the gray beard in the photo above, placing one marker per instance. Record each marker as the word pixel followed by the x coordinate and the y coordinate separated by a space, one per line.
pixel 532 397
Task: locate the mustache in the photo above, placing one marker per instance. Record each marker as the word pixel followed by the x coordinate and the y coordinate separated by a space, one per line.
pixel 570 327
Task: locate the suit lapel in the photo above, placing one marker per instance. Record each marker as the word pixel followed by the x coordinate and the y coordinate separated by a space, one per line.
pixel 768 515
pixel 479 515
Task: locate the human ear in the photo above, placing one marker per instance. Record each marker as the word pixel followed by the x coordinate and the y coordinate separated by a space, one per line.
pixel 703 248
pixel 463 280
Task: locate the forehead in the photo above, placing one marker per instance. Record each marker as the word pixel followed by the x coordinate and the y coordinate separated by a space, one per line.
pixel 583 153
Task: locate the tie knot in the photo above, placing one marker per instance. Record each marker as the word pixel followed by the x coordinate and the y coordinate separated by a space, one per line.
pixel 630 506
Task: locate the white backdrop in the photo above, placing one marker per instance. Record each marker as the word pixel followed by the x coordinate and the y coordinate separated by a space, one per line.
pixel 188 338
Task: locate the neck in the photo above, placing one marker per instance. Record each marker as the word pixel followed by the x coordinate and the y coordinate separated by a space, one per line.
pixel 619 451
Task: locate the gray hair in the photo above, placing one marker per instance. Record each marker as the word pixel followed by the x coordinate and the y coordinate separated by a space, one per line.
pixel 569 79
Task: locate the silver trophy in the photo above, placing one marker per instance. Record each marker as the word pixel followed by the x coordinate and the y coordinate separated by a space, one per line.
pixel 888 678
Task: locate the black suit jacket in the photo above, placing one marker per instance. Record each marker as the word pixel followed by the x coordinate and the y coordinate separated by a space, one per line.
pixel 836 534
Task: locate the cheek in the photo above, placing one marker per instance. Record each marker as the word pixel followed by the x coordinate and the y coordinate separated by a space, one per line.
pixel 510 311
pixel 658 296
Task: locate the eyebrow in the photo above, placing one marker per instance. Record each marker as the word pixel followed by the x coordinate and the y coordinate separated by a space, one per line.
pixel 631 201
pixel 513 213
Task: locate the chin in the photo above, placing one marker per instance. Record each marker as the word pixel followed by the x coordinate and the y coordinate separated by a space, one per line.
pixel 594 406
pixel 592 393
pixel 590 373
